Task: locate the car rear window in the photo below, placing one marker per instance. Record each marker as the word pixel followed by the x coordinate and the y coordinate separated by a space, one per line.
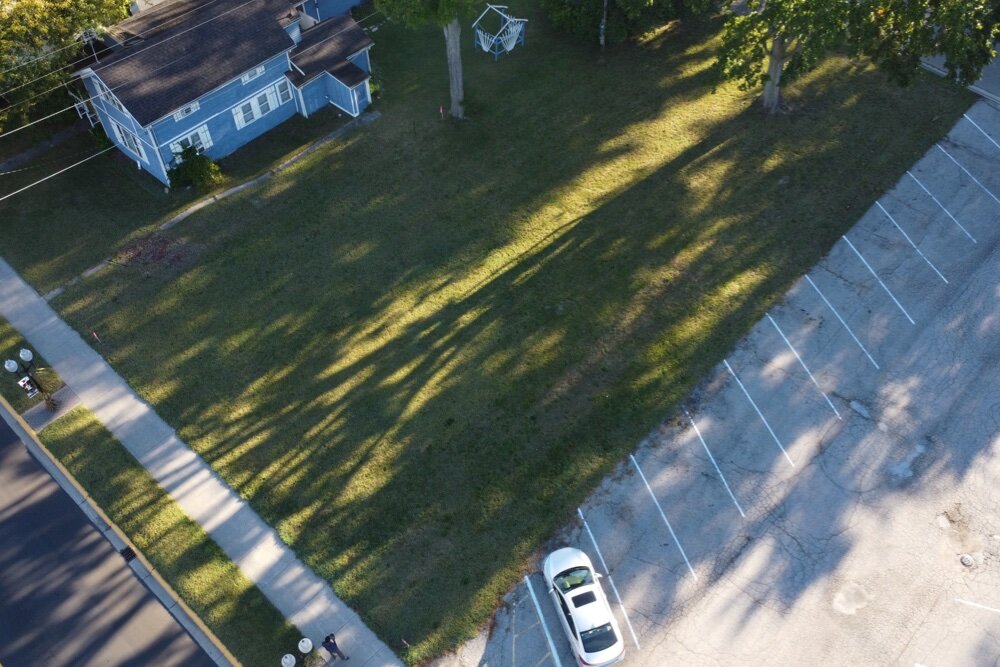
pixel 584 598
pixel 599 638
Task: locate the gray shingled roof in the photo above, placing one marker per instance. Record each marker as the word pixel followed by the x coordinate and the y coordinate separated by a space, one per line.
pixel 325 47
pixel 185 48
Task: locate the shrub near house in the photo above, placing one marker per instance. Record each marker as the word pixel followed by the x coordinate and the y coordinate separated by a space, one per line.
pixel 214 76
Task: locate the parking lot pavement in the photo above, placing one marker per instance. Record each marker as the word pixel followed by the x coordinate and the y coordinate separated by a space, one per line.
pixel 828 493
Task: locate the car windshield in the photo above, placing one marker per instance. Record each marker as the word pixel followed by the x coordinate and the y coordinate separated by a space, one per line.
pixel 599 638
pixel 570 579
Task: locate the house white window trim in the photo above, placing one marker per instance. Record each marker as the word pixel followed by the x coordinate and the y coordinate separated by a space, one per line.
pixel 186 111
pixel 273 97
pixel 283 88
pixel 253 74
pixel 204 137
pixel 134 146
pixel 105 94
pixel 367 96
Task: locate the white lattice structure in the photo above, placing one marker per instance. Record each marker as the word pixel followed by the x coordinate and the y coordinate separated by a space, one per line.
pixel 497 32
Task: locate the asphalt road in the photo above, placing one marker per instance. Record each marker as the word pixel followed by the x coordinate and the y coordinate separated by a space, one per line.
pixel 828 495
pixel 66 596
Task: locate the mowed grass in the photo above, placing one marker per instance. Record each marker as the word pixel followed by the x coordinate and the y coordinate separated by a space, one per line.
pixel 239 615
pixel 56 230
pixel 61 227
pixel 417 351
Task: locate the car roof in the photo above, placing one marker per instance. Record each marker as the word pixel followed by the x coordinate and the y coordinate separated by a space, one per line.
pixel 590 615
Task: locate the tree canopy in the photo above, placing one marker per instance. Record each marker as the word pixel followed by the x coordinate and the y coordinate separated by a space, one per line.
pixel 613 21
pixel 40 44
pixel 770 42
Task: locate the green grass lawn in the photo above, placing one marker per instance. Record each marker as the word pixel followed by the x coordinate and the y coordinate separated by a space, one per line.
pixel 28 137
pixel 10 344
pixel 419 349
pixel 63 226
pixel 239 615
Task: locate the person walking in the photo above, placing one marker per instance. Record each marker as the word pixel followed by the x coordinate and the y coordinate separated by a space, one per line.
pixel 330 644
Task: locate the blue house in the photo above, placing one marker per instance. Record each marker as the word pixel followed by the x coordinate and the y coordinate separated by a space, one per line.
pixel 216 74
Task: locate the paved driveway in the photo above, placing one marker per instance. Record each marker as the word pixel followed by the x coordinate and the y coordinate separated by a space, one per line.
pixel 829 493
pixel 66 597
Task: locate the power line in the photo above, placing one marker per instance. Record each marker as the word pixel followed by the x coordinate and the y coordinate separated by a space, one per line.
pixel 53 175
pixel 73 106
pixel 39 165
pixel 25 63
pixel 143 50
pixel 159 26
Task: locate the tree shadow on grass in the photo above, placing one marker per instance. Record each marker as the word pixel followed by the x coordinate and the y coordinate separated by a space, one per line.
pixel 416 370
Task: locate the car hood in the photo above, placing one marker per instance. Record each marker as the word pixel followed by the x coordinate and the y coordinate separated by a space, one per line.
pixel 565 559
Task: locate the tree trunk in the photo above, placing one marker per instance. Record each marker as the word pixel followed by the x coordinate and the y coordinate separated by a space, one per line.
pixel 775 66
pixel 604 23
pixel 452 33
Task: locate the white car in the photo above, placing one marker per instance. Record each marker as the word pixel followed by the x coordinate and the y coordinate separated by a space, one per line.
pixel 582 608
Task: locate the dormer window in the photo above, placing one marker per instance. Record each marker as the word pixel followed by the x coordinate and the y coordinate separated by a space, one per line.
pixel 181 114
pixel 252 74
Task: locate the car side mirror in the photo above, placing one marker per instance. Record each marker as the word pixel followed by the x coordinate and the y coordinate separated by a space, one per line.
pixel 599 575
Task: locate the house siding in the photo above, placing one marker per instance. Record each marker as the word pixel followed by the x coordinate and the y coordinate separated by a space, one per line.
pixel 314 94
pixel 330 8
pixel 106 113
pixel 362 61
pixel 219 130
pixel 215 113
pixel 340 95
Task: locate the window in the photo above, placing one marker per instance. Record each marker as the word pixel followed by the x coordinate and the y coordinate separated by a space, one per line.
pixel 573 577
pixel 252 74
pixel 565 610
pixel 261 104
pixel 245 115
pixel 284 92
pixel 198 138
pixel 598 639
pixel 128 139
pixel 105 94
pixel 181 114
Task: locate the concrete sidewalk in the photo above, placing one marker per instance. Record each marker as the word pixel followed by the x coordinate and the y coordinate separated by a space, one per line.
pixel 302 597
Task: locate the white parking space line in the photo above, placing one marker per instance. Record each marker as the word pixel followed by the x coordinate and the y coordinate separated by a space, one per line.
pixel 834 310
pixel 712 459
pixel 804 367
pixel 941 206
pixel 985 134
pixel 548 637
pixel 656 502
pixel 977 605
pixel 875 275
pixel 969 174
pixel 759 413
pixel 610 579
pixel 513 633
pixel 910 241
